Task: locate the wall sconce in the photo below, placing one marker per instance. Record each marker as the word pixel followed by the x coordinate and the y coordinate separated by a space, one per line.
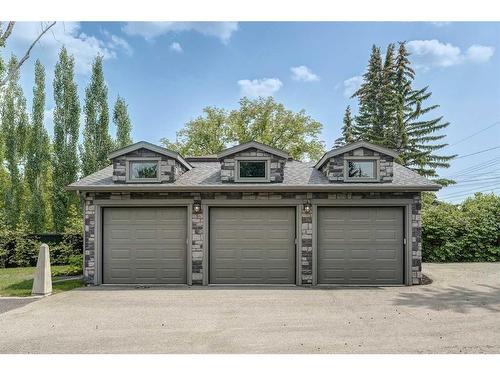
pixel 307 208
pixel 197 207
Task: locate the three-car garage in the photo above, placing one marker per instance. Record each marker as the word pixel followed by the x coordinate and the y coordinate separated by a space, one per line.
pixel 253 245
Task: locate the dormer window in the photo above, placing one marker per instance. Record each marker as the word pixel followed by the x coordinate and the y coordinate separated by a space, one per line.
pixel 143 170
pixel 252 170
pixel 361 169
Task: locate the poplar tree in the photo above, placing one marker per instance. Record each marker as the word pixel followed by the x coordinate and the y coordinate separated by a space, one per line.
pixel 97 143
pixel 65 163
pixel 122 122
pixel 347 130
pixel 14 129
pixel 38 157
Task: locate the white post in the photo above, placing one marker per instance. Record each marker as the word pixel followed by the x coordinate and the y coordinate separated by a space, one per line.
pixel 42 283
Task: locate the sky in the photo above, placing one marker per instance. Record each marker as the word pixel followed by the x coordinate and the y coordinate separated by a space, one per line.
pixel 169 71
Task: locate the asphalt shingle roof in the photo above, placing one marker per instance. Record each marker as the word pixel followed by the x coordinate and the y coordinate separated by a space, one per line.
pixel 297 175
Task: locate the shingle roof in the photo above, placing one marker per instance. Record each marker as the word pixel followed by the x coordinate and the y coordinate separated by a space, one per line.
pixel 297 176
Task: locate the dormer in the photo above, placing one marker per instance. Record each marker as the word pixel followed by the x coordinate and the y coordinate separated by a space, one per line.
pixel 146 163
pixel 252 162
pixel 358 162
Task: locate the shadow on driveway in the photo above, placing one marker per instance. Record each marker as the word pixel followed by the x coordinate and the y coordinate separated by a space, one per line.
pixel 456 298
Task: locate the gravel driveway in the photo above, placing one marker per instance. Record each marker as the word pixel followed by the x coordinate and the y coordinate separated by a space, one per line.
pixel 458 313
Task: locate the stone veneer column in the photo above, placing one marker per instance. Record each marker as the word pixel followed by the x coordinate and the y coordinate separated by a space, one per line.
pixel 306 260
pixel 416 239
pixel 197 245
pixel 89 239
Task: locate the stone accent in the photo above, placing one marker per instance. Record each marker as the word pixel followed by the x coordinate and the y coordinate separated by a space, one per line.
pixel 197 222
pixel 228 165
pixel 334 167
pixel 170 168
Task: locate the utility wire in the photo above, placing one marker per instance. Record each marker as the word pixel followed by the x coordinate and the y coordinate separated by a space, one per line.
pixel 478 152
pixel 472 135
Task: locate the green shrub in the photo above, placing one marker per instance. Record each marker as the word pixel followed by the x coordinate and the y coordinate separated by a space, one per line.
pixel 469 232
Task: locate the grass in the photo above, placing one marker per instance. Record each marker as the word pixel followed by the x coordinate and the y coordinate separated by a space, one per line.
pixel 17 282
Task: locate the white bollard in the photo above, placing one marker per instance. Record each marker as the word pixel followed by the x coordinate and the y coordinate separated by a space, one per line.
pixel 42 283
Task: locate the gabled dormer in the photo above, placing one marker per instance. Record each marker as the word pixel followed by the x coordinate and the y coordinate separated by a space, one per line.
pixel 252 162
pixel 144 162
pixel 358 162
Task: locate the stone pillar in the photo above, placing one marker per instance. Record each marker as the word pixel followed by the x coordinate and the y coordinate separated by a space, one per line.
pixel 306 245
pixel 42 283
pixel 197 245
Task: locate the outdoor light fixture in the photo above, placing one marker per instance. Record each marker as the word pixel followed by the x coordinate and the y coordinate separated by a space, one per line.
pixel 197 207
pixel 307 208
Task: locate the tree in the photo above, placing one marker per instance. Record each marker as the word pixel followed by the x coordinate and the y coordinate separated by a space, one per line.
pixel 393 113
pixel 369 120
pixel 122 122
pixel 347 130
pixel 65 163
pixel 205 135
pixel 5 34
pixel 97 143
pixel 38 157
pixel 14 129
pixel 262 120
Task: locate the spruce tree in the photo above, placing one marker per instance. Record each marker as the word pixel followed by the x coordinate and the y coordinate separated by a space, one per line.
pixel 97 143
pixel 38 157
pixel 123 124
pixel 369 121
pixel 14 129
pixel 347 130
pixel 66 131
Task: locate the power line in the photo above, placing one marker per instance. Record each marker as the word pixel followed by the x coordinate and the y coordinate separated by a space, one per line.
pixel 472 135
pixel 475 167
pixel 470 191
pixel 478 152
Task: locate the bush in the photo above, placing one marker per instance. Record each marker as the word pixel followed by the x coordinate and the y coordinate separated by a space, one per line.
pixel 469 232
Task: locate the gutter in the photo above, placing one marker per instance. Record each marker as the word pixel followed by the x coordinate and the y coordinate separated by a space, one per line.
pixel 255 188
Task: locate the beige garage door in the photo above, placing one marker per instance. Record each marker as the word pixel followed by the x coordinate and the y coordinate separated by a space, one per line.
pixel 360 245
pixel 252 245
pixel 144 245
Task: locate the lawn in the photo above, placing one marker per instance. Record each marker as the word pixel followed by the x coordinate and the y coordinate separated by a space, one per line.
pixel 19 281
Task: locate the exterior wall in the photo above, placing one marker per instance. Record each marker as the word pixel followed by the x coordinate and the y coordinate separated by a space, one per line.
pixel 228 165
pixel 170 168
pixel 198 230
pixel 334 167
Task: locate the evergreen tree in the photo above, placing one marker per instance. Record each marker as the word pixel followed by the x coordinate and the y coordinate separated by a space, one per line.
pixel 347 130
pixel 369 121
pixel 97 143
pixel 66 131
pixel 122 122
pixel 38 157
pixel 14 129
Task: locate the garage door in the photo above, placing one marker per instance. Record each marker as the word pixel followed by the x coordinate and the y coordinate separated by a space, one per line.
pixel 360 245
pixel 252 245
pixel 144 245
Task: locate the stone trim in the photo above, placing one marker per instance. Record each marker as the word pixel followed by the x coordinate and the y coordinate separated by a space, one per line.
pixel 198 232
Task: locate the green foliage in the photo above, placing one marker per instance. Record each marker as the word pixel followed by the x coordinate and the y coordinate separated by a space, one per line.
pixel 394 114
pixel 65 162
pixel 262 120
pixel 469 232
pixel 38 158
pixel 347 130
pixel 123 124
pixel 97 142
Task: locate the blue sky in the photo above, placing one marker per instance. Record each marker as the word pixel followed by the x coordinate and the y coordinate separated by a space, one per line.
pixel 168 72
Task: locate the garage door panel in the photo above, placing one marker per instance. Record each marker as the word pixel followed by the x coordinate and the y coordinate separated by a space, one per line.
pixel 252 245
pixel 144 245
pixel 360 245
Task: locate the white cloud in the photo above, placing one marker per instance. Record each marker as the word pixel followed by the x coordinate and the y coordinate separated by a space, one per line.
pixel 433 53
pixel 175 46
pixel 441 23
pixel 84 47
pixel 479 54
pixel 351 85
pixel 303 74
pixel 152 30
pixel 259 87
